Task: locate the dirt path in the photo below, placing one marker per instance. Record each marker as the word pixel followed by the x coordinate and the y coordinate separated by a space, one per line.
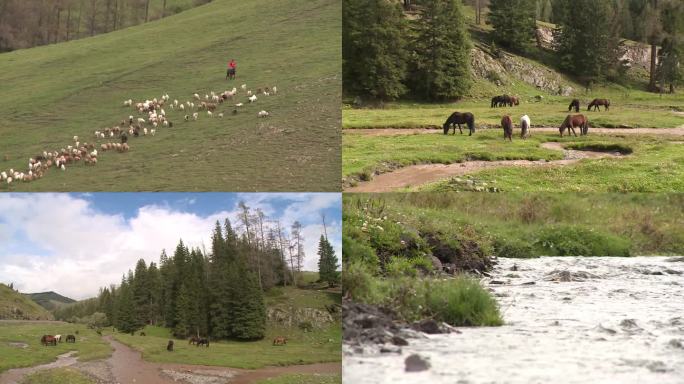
pixel 621 131
pixel 416 175
pixel 14 376
pixel 127 366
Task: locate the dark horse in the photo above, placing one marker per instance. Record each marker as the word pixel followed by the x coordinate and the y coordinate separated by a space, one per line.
pixel 71 339
pixel 504 100
pixel 572 121
pixel 48 340
pixel 458 118
pixel 574 104
pixel 203 341
pixel 598 102
pixel 230 73
pixel 507 125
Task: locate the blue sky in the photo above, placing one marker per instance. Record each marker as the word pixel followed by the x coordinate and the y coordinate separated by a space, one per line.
pixel 47 239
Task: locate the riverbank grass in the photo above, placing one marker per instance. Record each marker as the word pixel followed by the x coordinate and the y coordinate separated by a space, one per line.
pixel 58 376
pixel 89 345
pixel 303 379
pixel 459 301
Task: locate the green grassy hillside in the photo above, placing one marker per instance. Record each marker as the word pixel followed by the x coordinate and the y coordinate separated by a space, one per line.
pixel 54 92
pixel 49 300
pixel 15 306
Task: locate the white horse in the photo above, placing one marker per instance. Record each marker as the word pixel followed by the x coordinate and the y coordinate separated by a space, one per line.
pixel 525 127
pixel 58 338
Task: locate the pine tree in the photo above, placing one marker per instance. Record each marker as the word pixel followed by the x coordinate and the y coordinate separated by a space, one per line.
pixel 588 43
pixel 327 262
pixel 442 52
pixel 125 308
pixel 249 310
pixel 154 293
pixel 183 313
pixel 514 23
pixel 373 49
pixel 141 292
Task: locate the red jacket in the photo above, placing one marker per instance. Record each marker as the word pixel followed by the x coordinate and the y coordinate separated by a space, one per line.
pixel 232 64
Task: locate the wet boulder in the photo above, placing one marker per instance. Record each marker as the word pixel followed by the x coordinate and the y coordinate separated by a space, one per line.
pixel 416 363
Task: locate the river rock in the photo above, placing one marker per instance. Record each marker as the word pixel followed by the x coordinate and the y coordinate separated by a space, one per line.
pixel 389 348
pixel 674 343
pixel 416 363
pixel 436 264
pixel 399 341
pixel 675 259
pixel 428 326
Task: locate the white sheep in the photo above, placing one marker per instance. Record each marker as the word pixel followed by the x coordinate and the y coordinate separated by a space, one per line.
pixel 182 107
pixel 243 86
pixel 195 115
pixel 262 114
pixel 249 93
pixel 220 115
pixel 62 167
pixel 210 114
pixel 196 96
pixel 75 138
pixel 275 90
pixel 153 131
pixel 252 98
pixel 141 120
pixel 145 131
pixel 238 105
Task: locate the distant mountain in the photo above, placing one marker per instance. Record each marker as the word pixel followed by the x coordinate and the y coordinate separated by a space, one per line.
pixel 49 300
pixel 16 306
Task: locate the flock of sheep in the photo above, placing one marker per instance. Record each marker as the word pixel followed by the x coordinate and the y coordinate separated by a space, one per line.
pixel 151 116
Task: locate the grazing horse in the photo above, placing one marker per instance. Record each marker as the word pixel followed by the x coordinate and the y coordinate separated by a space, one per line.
pixel 280 340
pixel 525 127
pixel 458 118
pixel 598 102
pixel 58 338
pixel 496 101
pixel 70 339
pixel 575 103
pixel 169 346
pixel 572 121
pixel 48 340
pixel 193 340
pixel 507 125
pixel 203 341
pixel 514 101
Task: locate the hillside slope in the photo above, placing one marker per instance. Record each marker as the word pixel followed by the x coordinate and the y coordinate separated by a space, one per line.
pixel 15 306
pixel 49 300
pixel 53 93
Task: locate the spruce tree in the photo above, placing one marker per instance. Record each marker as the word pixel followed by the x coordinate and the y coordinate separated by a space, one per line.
pixel 327 262
pixel 514 23
pixel 141 292
pixel 441 68
pixel 373 49
pixel 249 310
pixel 588 44
pixel 183 313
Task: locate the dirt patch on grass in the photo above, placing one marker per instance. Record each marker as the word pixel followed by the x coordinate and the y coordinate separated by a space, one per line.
pixel 416 175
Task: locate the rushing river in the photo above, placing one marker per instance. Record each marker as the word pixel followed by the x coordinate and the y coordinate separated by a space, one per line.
pixel 621 320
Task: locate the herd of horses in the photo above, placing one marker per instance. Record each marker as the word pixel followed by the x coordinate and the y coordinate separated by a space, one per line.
pixel 47 340
pixel 570 122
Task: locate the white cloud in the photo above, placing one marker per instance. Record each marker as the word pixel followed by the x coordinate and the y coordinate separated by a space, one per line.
pixel 62 243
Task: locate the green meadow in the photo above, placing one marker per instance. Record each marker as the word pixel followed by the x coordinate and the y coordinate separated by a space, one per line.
pixel 52 93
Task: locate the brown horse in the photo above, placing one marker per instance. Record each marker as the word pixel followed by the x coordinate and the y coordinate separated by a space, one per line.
pixel 193 340
pixel 514 101
pixel 458 118
pixel 575 103
pixel 507 125
pixel 280 340
pixel 48 340
pixel 572 121
pixel 598 102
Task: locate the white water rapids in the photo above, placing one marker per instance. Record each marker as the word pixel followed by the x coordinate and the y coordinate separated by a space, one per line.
pixel 623 323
